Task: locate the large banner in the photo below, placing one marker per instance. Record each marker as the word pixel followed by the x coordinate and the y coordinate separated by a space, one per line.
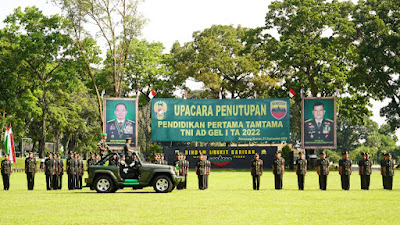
pixel 220 120
pixel 318 123
pixel 224 157
pixel 120 116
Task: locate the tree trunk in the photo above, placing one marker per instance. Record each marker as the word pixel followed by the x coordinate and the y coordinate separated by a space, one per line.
pixel 43 138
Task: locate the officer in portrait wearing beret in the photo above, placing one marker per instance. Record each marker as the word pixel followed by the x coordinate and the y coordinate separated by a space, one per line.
pixel 30 170
pixel 278 169
pixel 120 128
pixel 322 170
pixel 256 170
pixel 301 170
pixel 320 130
pixel 345 170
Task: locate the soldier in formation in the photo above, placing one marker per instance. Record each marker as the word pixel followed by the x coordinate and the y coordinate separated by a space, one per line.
pixel 91 161
pixel 49 169
pixel 345 170
pixel 278 169
pixel 179 166
pixel 201 171
pixel 301 170
pixel 79 171
pixel 256 170
pixel 365 170
pixel 322 170
pixel 185 170
pixel 30 170
pixel 71 171
pixel 56 170
pixel 387 171
pixel 60 171
pixel 208 170
pixel 162 160
pixel 6 171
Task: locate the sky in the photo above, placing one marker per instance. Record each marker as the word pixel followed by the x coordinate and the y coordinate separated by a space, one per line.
pixel 176 20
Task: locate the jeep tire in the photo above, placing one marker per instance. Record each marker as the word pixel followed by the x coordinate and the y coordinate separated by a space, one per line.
pixel 162 184
pixel 104 184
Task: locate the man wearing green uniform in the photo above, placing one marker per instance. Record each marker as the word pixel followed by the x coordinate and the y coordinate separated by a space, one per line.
pixel 278 169
pixel 163 161
pixel 103 145
pixel 185 169
pixel 301 170
pixel 6 170
pixel 366 171
pixel 201 171
pixel 56 169
pixel 256 170
pixel 91 161
pixel 71 171
pixel 49 171
pixel 79 171
pixel 383 168
pixel 345 170
pixel 322 170
pixel 30 170
pixel 208 169
pixel 128 151
pixel 60 171
pixel 179 165
pixel 388 172
pixel 361 170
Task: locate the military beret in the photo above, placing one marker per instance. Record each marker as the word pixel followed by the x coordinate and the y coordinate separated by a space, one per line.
pixel 278 152
pixel 128 138
pixel 366 154
pixel 322 153
pixel 121 155
pixel 388 154
pixel 300 153
pixel 104 134
pixel 256 154
pixel 384 153
pixel 345 152
pixel 363 153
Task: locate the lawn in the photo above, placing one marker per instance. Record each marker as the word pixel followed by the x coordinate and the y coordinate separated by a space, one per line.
pixel 229 200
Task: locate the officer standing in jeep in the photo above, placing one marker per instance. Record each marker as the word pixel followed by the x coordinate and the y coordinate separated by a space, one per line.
pixel 301 170
pixel 278 169
pixel 345 170
pixel 256 170
pixel 30 170
pixel 103 145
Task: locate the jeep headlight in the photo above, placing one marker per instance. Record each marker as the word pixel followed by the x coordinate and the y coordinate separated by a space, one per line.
pixel 173 171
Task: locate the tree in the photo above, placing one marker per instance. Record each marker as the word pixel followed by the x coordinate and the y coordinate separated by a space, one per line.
pixel 217 57
pixel 118 23
pixel 43 47
pixel 377 64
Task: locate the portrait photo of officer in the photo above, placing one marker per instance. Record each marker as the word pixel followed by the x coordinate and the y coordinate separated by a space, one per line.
pixel 318 127
pixel 120 122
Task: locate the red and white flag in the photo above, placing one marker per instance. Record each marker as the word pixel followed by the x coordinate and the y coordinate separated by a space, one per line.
pixel 337 91
pixel 220 93
pixel 103 92
pixel 291 93
pixel 185 96
pixel 152 94
pixel 9 144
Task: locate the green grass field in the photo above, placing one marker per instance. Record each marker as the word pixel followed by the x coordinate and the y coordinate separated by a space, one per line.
pixel 229 200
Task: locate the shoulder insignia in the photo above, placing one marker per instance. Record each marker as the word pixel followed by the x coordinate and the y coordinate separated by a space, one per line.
pixel 307 121
pixel 329 120
pixel 111 121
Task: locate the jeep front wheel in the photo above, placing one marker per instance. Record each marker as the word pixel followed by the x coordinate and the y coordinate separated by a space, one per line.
pixel 104 184
pixel 162 184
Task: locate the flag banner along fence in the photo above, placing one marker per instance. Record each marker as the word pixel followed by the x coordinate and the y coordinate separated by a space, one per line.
pixel 220 120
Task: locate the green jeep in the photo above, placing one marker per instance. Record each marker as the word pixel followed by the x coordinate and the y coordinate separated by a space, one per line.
pixel 108 179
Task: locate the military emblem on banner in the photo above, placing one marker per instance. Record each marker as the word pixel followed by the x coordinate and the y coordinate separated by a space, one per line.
pixel 278 109
pixel 160 107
